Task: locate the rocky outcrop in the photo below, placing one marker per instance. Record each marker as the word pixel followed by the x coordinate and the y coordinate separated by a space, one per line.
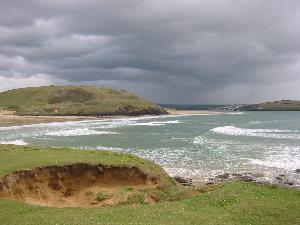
pixel 280 180
pixel 184 181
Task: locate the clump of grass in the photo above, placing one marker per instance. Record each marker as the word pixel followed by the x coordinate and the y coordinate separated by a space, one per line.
pixel 13 107
pixel 136 197
pixel 89 193
pixel 128 189
pixel 101 196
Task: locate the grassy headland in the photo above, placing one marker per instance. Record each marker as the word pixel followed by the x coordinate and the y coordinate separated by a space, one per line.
pixel 228 203
pixel 61 167
pixel 75 101
pixel 283 105
pixel 14 158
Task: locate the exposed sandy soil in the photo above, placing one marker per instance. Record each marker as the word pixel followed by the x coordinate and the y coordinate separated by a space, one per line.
pixel 76 185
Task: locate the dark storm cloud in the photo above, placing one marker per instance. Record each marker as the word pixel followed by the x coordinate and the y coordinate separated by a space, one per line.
pixel 169 51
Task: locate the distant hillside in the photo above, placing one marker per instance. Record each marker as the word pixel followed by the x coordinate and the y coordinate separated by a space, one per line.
pixel 191 106
pixel 284 105
pixel 221 108
pixel 76 100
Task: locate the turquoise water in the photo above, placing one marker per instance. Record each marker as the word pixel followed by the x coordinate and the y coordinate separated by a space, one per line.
pixel 198 146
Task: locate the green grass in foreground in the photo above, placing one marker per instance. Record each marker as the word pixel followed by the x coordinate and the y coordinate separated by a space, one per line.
pixel 234 203
pixel 229 203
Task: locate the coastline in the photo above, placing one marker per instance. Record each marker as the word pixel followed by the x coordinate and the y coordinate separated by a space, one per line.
pixel 193 112
pixel 8 118
pixel 278 180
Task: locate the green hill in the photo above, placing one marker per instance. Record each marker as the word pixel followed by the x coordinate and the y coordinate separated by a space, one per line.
pixel 283 105
pixel 76 100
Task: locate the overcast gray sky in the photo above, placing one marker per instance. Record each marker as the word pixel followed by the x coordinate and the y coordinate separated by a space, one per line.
pixel 169 51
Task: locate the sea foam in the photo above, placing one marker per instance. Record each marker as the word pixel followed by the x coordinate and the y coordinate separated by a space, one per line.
pixel 287 158
pixel 267 133
pixel 156 123
pixel 78 132
pixel 235 113
pixel 16 142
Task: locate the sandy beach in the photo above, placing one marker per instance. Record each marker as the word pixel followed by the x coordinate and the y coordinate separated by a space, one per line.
pixel 193 112
pixel 8 118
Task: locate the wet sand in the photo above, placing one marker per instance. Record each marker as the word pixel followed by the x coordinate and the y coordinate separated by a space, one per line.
pixel 7 118
pixel 193 112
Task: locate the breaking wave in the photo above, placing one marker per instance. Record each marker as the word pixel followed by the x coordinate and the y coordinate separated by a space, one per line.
pixel 235 113
pixel 78 132
pixel 288 158
pixel 156 123
pixel 267 133
pixel 16 142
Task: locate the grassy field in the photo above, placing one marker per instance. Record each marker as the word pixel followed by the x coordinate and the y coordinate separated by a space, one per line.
pixel 233 203
pixel 284 105
pixel 228 203
pixel 75 100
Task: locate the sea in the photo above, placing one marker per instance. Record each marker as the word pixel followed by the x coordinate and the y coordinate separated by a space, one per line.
pixel 195 146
